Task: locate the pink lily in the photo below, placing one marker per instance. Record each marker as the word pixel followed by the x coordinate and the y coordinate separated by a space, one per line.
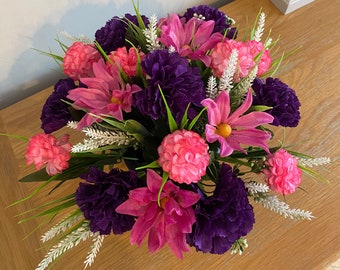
pixel 234 129
pixel 192 39
pixel 106 95
pixel 167 223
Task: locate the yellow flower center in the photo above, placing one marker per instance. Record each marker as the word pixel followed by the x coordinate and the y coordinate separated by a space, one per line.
pixel 223 130
pixel 115 101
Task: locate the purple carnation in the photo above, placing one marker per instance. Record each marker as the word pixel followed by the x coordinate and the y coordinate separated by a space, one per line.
pixel 276 94
pixel 55 113
pixel 180 83
pixel 112 35
pixel 101 194
pixel 223 217
pixel 222 22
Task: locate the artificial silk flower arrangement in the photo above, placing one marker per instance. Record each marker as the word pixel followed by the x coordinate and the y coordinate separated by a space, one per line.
pixel 177 114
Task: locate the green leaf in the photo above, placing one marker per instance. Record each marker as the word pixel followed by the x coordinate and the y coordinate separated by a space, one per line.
pixel 184 120
pixel 171 120
pixel 14 136
pixel 260 108
pixel 193 122
pixel 164 179
pixel 151 165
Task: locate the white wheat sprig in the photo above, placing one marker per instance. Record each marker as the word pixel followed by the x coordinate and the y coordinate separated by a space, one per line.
pixel 71 240
pixel 314 162
pixel 274 204
pixel 150 34
pixel 239 246
pixel 255 187
pixel 260 27
pixel 211 89
pixel 226 81
pixel 82 38
pixel 62 226
pixel 97 243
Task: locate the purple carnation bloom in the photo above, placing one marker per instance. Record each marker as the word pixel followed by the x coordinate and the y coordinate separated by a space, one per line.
pixel 55 113
pixel 222 22
pixel 99 197
pixel 223 217
pixel 180 83
pixel 276 94
pixel 112 35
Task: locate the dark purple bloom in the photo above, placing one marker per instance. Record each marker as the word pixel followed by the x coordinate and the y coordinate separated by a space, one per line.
pixel 55 113
pixel 276 94
pixel 223 217
pixel 180 83
pixel 101 194
pixel 204 12
pixel 112 35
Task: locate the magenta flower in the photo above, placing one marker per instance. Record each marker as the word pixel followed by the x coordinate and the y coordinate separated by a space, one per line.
pixel 45 149
pixel 234 129
pixel 184 155
pixel 105 95
pixel 192 39
pixel 168 223
pixel 283 174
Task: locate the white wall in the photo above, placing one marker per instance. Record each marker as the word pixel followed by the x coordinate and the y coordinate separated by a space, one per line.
pixel 28 24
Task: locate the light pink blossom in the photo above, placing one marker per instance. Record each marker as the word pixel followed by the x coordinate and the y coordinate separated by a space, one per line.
pixel 232 130
pixel 247 52
pixel 283 174
pixel 168 223
pixel 192 39
pixel 78 60
pixel 184 155
pixel 126 60
pixel 45 149
pixel 106 95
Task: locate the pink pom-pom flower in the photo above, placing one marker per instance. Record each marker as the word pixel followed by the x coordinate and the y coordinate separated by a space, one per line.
pixel 184 155
pixel 78 60
pixel 283 174
pixel 46 149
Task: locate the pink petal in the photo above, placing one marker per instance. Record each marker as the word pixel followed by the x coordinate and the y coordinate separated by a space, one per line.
pixel 153 180
pixel 210 133
pixel 252 137
pixel 203 32
pixel 214 115
pixel 242 109
pixel 253 119
pixel 140 229
pixel 223 104
pixel 186 198
pixel 157 238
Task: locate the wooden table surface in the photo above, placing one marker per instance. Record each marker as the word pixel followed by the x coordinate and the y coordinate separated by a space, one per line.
pixel 274 243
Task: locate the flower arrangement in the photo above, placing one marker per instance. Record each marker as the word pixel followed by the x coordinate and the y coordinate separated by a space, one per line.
pixel 177 114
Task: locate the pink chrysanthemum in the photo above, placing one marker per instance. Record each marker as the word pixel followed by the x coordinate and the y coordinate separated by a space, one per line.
pixel 184 155
pixel 234 129
pixel 46 149
pixel 192 39
pixel 78 60
pixel 283 174
pixel 247 51
pixel 126 60
pixel 105 95
pixel 168 223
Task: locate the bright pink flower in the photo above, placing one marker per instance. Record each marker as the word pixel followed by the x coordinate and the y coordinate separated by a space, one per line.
pixel 127 61
pixel 78 60
pixel 247 51
pixel 167 223
pixel 46 149
pixel 234 129
pixel 283 174
pixel 106 94
pixel 184 155
pixel 192 39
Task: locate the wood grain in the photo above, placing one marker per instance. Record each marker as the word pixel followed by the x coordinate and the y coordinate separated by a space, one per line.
pixel 274 243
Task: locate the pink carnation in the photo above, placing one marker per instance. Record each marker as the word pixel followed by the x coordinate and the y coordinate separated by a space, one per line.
pixel 46 149
pixel 78 60
pixel 283 174
pixel 247 51
pixel 127 61
pixel 184 155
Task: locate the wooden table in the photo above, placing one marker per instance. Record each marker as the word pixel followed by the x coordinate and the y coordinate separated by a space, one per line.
pixel 274 243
